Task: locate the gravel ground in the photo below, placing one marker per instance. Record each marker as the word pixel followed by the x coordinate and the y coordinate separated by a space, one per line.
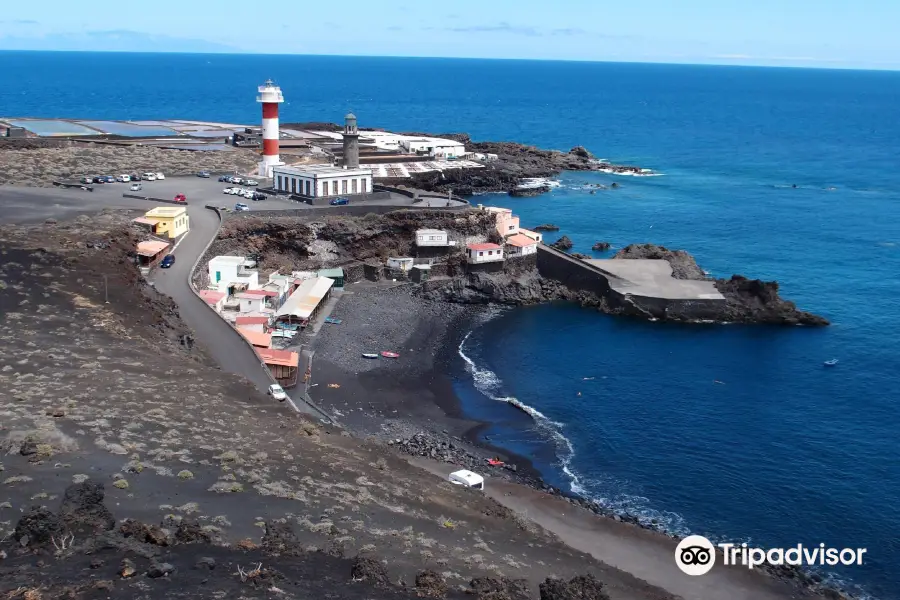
pixel 39 167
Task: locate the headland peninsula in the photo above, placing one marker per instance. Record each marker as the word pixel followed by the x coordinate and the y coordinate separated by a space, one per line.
pixel 132 460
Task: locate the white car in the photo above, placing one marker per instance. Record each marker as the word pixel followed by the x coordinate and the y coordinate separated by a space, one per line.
pixel 136 187
pixel 251 182
pixel 277 392
pixel 240 207
pixel 123 178
pixel 149 176
pixel 228 190
pixel 248 194
pixel 160 176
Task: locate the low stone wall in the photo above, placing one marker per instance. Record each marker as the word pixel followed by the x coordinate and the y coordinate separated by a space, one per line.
pixel 354 272
pixel 571 272
pixel 353 210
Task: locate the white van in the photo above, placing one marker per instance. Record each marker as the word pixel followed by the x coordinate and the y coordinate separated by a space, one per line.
pixel 123 178
pixel 149 176
pixel 467 479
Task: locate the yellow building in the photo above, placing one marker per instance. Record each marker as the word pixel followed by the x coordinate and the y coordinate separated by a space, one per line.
pixel 171 221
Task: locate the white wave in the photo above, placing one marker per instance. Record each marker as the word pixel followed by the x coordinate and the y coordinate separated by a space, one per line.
pixel 488 383
pixel 641 173
pixel 527 183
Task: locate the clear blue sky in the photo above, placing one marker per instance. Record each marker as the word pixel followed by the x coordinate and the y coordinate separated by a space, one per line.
pixel 813 33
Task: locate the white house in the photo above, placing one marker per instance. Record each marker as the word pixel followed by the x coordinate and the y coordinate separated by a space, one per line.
pixel 432 237
pixel 535 235
pixel 321 181
pixel 436 147
pixel 400 264
pixel 520 245
pixel 483 253
pixel 254 301
pixel 232 273
pixel 255 323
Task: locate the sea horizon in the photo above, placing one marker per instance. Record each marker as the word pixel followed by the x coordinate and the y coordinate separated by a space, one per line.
pixel 783 451
pixel 888 68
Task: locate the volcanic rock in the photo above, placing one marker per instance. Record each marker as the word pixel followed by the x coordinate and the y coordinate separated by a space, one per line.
pixel 563 243
pixel 581 152
pixel 683 264
pixel 529 192
pixel 82 508
pixel 583 587
pixel 600 246
pixel 546 227
pixel 430 584
pixel 490 588
pixel 38 527
pixel 148 534
pixel 369 569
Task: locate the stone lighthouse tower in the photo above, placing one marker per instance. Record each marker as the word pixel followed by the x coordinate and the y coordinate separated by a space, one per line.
pixel 351 142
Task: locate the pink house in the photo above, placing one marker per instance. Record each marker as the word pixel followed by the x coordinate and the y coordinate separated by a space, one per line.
pixel 214 299
pixel 507 222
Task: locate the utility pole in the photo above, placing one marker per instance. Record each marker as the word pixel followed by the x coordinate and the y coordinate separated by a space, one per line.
pixel 106 289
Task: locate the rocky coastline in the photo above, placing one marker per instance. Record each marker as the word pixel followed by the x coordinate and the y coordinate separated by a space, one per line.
pixel 514 163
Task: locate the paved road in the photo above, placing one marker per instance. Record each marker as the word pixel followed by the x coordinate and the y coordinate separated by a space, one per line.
pixel 225 345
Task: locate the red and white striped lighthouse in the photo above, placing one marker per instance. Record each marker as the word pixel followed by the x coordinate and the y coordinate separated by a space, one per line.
pixel 270 97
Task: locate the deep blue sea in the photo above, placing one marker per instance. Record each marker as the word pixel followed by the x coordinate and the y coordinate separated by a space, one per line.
pixel 783 450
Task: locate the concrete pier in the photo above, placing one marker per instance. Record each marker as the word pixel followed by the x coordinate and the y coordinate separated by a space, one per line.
pixel 638 286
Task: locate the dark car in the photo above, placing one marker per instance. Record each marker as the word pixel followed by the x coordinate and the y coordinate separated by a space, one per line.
pixel 225 178
pixel 99 179
pixel 259 196
pixel 168 261
pixel 134 177
pixel 203 174
pixel 110 179
pixel 340 201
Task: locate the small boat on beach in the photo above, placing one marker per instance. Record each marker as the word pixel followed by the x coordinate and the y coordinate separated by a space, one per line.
pixel 369 355
pixel 333 320
pixel 387 354
pixel 831 363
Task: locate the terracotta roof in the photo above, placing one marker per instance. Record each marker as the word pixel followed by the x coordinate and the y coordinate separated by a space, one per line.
pixel 212 296
pixel 238 321
pixel 151 248
pixel 256 338
pixel 246 295
pixel 283 358
pixel 485 246
pixel 260 293
pixel 520 240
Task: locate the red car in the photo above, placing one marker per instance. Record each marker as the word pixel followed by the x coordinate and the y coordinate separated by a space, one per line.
pixel 180 198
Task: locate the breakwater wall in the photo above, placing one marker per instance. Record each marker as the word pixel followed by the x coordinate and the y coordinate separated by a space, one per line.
pixel 581 276
pixel 350 210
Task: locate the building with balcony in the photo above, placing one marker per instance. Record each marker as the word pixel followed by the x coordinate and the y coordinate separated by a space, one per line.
pixel 232 274
pixel 520 245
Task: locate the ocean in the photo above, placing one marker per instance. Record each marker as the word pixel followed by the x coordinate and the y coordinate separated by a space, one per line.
pixel 735 432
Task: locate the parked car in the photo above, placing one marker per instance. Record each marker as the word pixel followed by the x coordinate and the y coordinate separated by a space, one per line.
pixel 149 176
pixel 110 179
pixel 180 198
pixel 236 179
pixel 123 178
pixel 251 182
pixel 240 206
pixel 277 392
pixel 87 180
pixel 340 201
pixel 248 194
pixel 134 177
pixel 203 174
pixel 99 179
pixel 160 176
pixel 259 196
pixel 168 261
pixel 225 178
pixel 136 187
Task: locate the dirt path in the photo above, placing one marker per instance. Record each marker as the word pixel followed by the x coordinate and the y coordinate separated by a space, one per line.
pixel 644 554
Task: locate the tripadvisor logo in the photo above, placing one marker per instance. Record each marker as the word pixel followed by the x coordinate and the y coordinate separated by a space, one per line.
pixel 696 555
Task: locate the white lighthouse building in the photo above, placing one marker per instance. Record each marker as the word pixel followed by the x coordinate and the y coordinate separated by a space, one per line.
pixel 270 97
